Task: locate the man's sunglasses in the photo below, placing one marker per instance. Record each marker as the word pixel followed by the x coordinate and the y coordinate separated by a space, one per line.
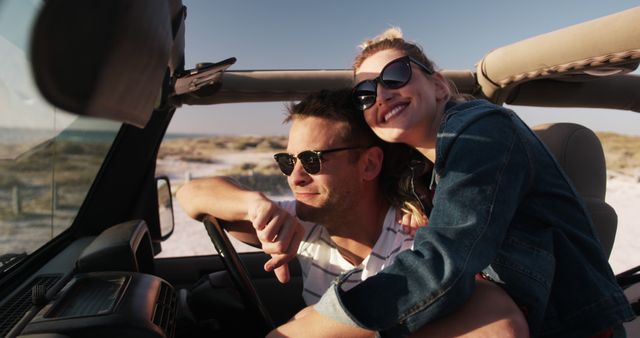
pixel 310 159
pixel 394 75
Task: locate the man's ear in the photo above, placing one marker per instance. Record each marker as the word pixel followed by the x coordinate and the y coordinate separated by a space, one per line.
pixel 372 162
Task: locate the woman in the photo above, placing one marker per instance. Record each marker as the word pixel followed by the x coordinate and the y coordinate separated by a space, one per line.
pixel 503 209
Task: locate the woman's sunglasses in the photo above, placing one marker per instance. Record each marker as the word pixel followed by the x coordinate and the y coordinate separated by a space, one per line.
pixel 394 75
pixel 310 159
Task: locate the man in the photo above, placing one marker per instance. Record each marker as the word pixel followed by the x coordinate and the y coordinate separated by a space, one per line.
pixel 334 164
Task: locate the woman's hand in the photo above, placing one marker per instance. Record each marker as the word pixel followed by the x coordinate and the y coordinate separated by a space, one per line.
pixel 409 221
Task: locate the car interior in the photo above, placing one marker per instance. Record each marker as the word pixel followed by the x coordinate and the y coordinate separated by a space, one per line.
pixel 112 75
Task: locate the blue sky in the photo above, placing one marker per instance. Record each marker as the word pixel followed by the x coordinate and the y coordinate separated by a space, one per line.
pixel 290 34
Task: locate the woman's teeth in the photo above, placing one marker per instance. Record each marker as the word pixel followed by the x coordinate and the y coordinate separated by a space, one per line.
pixel 393 112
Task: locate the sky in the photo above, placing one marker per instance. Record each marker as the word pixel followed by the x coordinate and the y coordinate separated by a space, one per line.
pixel 290 34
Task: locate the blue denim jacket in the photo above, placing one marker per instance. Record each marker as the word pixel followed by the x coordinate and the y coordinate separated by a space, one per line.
pixel 504 207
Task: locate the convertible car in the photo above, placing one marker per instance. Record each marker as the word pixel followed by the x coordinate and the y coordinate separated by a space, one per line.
pixel 87 91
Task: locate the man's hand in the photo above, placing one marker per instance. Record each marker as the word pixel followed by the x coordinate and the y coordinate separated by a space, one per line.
pixel 279 232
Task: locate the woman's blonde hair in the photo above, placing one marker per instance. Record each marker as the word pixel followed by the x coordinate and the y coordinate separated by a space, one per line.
pixel 392 38
pixel 402 177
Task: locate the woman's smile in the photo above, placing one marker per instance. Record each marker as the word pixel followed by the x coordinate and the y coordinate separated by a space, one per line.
pixel 394 112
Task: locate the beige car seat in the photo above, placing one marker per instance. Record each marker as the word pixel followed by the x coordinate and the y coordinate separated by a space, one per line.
pixel 579 152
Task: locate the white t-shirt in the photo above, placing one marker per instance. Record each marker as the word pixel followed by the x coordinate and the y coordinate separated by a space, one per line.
pixel 321 262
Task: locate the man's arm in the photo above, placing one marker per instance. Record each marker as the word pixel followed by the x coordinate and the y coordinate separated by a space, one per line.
pixel 250 216
pixel 221 198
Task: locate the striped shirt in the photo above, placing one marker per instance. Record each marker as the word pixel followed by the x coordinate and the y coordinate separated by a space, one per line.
pixel 321 262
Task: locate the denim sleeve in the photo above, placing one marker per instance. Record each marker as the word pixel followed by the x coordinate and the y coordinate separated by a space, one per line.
pixel 484 170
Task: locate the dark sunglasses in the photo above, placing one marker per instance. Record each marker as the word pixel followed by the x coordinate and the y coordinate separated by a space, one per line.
pixel 394 75
pixel 310 159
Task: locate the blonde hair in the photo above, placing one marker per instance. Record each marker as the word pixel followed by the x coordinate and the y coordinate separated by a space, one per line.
pixel 403 171
pixel 389 34
pixel 392 38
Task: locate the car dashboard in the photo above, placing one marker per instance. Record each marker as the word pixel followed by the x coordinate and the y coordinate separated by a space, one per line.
pixel 108 292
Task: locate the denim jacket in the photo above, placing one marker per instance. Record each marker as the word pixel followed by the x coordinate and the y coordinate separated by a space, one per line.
pixel 502 207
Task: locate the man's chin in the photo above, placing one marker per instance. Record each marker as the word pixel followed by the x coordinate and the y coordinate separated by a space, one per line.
pixel 307 213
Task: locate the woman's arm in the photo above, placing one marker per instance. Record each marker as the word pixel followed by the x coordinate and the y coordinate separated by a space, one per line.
pixel 484 172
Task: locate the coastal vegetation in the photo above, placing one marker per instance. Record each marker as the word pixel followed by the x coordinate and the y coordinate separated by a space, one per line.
pixel 622 151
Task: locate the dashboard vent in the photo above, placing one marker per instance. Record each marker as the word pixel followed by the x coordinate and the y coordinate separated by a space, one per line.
pixel 164 314
pixel 16 307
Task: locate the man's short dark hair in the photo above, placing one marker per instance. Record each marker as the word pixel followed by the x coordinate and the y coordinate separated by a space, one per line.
pixel 336 105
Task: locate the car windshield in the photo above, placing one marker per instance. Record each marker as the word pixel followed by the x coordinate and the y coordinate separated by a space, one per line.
pixel 48 157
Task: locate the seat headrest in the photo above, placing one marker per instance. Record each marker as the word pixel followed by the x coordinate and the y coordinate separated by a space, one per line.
pixel 579 152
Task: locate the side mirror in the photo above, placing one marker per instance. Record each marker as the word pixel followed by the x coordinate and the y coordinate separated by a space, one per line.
pixel 165 207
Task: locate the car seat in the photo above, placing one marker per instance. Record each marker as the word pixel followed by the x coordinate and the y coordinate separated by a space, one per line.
pixel 579 152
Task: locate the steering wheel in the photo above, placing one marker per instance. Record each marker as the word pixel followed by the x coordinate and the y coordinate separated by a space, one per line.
pixel 237 270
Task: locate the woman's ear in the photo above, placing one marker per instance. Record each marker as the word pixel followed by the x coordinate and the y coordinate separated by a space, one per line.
pixel 443 91
pixel 372 162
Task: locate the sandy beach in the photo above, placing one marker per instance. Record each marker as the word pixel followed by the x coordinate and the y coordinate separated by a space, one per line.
pixel 623 193
pixel 190 238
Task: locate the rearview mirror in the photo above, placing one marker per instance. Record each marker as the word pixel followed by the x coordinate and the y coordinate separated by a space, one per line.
pixel 103 58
